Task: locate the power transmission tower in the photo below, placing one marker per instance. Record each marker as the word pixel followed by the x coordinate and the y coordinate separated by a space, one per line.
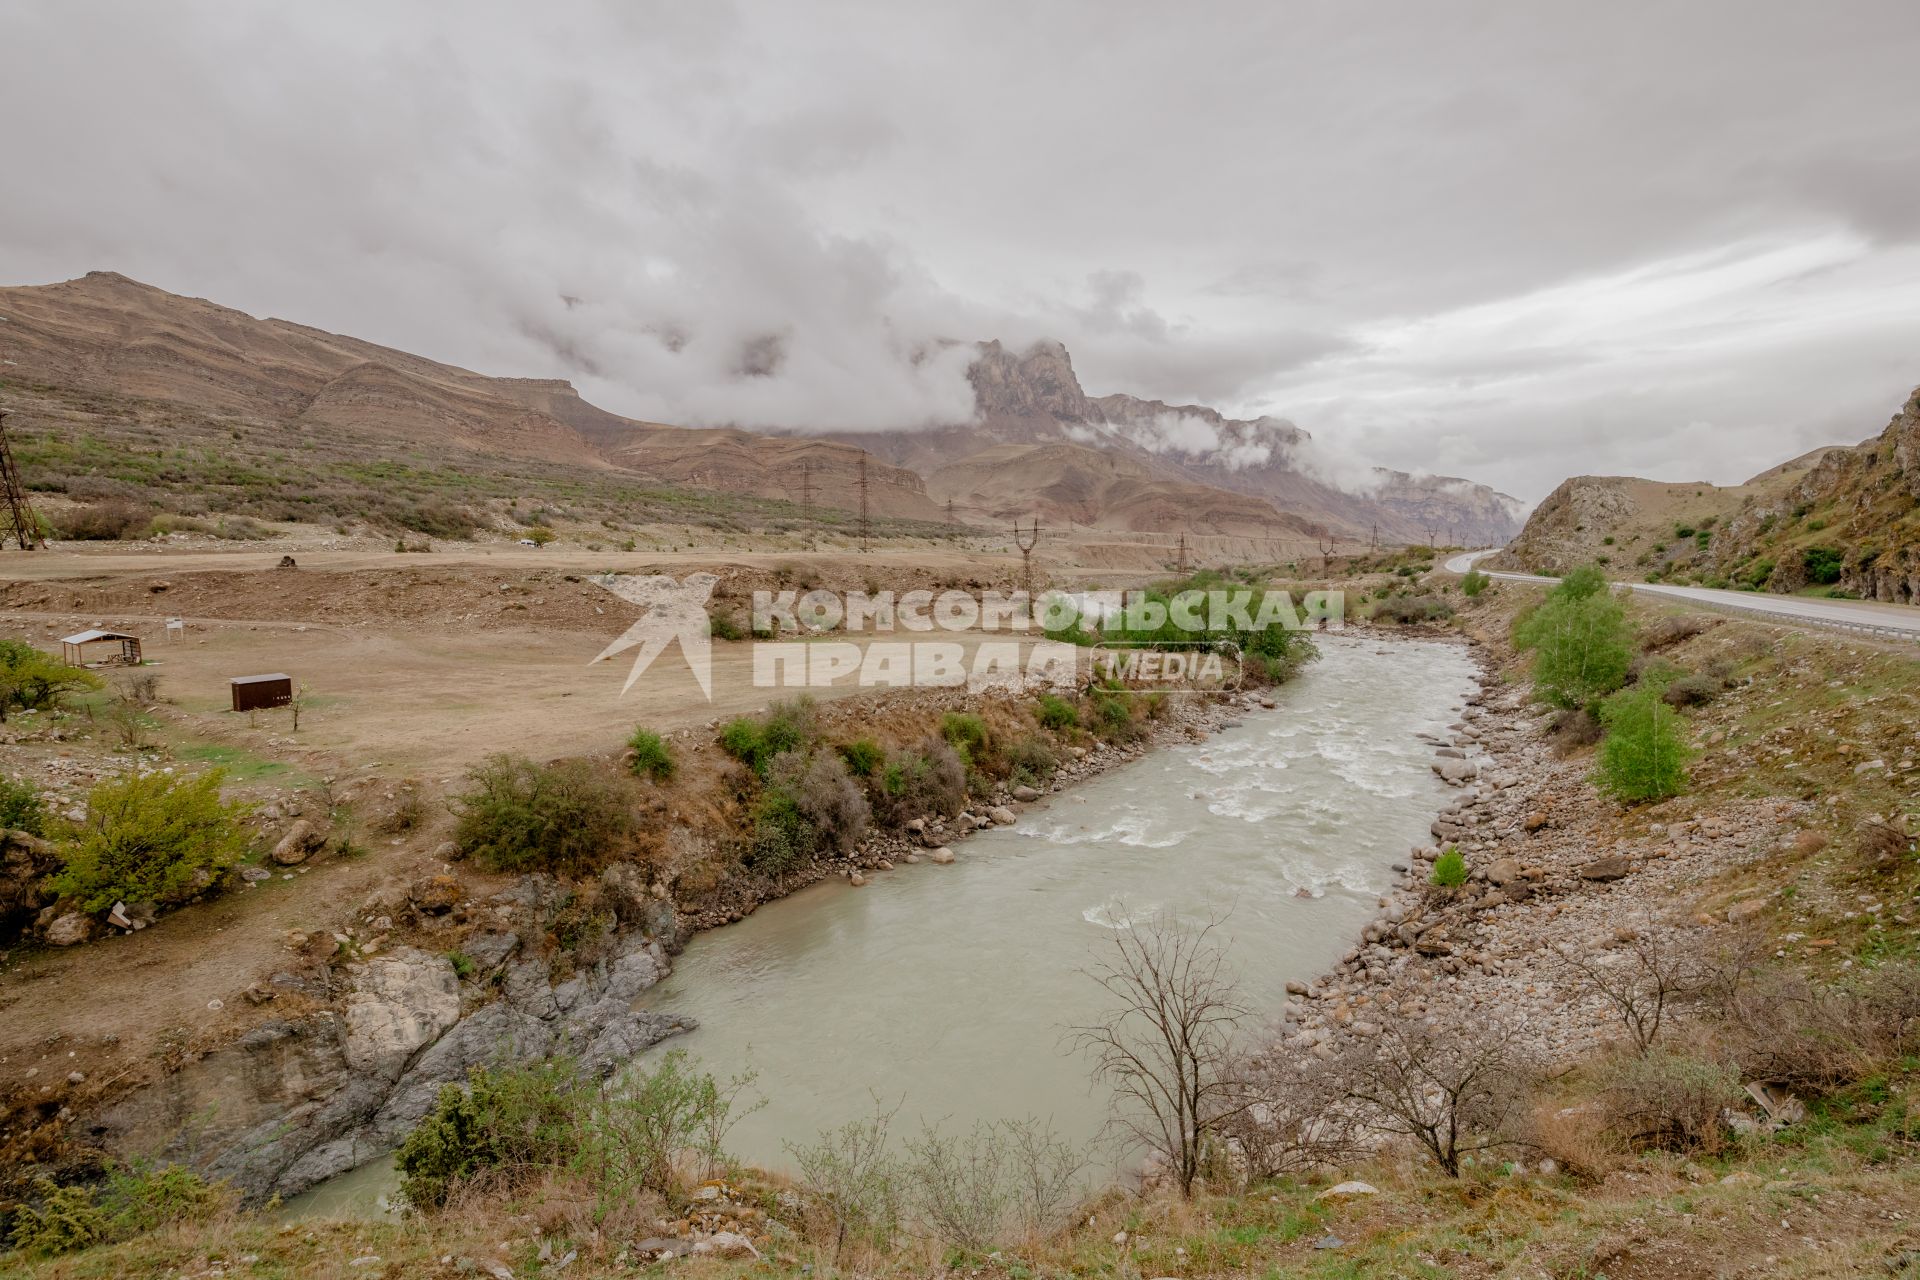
pixel 806 486
pixel 866 524
pixel 1430 534
pixel 1027 540
pixel 1373 540
pixel 1327 545
pixel 24 525
pixel 1182 570
pixel 949 510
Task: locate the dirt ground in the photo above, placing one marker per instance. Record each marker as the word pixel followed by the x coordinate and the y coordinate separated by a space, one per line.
pixel 415 669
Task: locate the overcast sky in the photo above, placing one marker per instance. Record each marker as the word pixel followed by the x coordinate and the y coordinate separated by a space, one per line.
pixel 1510 241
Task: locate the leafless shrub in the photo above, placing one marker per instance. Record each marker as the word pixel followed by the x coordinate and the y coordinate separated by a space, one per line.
pixel 1664 633
pixel 1666 1100
pixel 826 795
pixel 1647 975
pixel 115 518
pixel 1576 1137
pixel 998 1183
pixel 140 687
pixel 913 784
pixel 850 1181
pixel 1287 1116
pixel 1573 730
pixel 1882 843
pixel 1165 1046
pixel 1789 1029
pixel 1454 1091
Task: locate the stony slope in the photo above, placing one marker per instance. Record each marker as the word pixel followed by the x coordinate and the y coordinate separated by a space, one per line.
pixel 1842 518
pixel 1639 527
pixel 1851 521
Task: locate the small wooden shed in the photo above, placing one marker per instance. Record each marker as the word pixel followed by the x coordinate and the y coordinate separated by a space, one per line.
pixel 254 693
pixel 74 648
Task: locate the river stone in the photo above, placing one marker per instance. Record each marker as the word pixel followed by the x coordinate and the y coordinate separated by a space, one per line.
pixel 1002 816
pixel 69 930
pixel 1611 867
pixel 1348 1191
pixel 941 856
pixel 1503 871
pixel 1025 794
pixel 399 1003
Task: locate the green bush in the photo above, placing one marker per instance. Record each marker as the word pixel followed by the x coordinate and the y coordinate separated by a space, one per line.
pixel 1057 713
pixel 1474 583
pixel 787 726
pixel 918 783
pixel 1823 564
pixel 21 808
pixel 642 1133
pixel 863 756
pixel 133 1200
pixel 507 1124
pixel 1579 583
pixel 522 816
pixel 967 733
pixel 1644 755
pixel 33 681
pixel 1406 610
pixel 1582 645
pixel 1031 760
pixel 1449 869
pixel 151 838
pixel 652 757
pixel 722 626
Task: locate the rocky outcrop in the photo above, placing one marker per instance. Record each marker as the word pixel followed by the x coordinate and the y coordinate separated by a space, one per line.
pixel 25 863
pixel 295 1102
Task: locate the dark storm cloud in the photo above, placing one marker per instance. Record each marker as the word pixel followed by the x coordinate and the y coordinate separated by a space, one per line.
pixel 1487 238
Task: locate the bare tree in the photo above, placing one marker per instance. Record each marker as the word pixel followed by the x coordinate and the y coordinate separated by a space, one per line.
pixel 1166 1045
pixel 1453 1091
pixel 1645 976
pixel 1289 1116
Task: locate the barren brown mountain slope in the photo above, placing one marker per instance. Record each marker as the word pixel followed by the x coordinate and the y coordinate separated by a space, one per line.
pixel 1640 526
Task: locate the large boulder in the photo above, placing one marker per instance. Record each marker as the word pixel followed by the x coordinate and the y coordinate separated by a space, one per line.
pixel 300 842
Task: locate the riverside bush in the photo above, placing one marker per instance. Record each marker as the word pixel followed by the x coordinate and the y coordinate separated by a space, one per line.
pixel 1474 583
pixel 133 1199
pixel 1407 610
pixel 1056 713
pixel 507 1124
pixel 1582 646
pixel 787 726
pixel 641 1134
pixel 1644 755
pixel 825 795
pixel 863 756
pixel 1668 1100
pixel 968 735
pixel 1449 870
pixel 915 784
pixel 521 816
pixel 652 757
pixel 21 808
pixel 151 838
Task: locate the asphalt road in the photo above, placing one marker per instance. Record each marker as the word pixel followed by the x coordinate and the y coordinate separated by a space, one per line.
pixel 1864 616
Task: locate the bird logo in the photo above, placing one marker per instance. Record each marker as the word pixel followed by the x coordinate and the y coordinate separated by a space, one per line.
pixel 672 609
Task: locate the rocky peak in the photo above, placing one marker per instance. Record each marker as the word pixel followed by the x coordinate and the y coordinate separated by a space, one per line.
pixel 1037 383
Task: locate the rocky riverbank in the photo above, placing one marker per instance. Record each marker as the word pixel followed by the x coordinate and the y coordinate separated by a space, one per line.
pixel 1553 869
